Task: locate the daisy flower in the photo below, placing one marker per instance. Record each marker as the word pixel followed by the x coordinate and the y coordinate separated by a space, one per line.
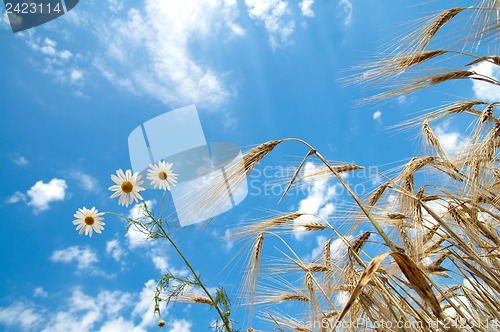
pixel 161 175
pixel 88 220
pixel 127 187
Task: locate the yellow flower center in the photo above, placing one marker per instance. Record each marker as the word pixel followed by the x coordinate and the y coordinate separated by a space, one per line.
pixel 127 187
pixel 162 175
pixel 89 220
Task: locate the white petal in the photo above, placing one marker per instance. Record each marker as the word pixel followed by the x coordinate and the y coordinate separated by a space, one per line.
pixel 116 179
pixel 120 174
pixel 122 199
pixel 115 187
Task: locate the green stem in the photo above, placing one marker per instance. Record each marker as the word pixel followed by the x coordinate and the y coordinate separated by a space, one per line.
pixel 165 235
pixel 162 201
pixel 224 319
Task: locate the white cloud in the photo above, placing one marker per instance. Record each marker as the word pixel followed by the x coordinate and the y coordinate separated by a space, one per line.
pixel 16 198
pixel 65 54
pixel 42 194
pixel 346 11
pixel 48 49
pixel 20 315
pixel 439 207
pixel 135 237
pixel 115 5
pixel 119 325
pixel 320 192
pixel 180 326
pixel 20 160
pixel 40 292
pixel 79 312
pixel 114 249
pixel 82 314
pixel 402 100
pixel 52 60
pixel 145 303
pixel 85 181
pixel 341 298
pixel 377 115
pixel 320 241
pixel 276 17
pixel 84 257
pixel 149 52
pixel 337 248
pixel 4 20
pixel 88 182
pixel 486 91
pixel 305 7
pixel 76 75
pixel 228 242
pixel 452 141
pixel 161 263
pixel 137 211
pixel 327 210
pixel 50 42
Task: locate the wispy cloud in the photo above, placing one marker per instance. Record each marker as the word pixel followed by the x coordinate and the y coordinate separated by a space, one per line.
pixel 346 11
pixel 104 312
pixel 19 159
pixel 16 198
pixel 84 257
pixel 4 21
pixel 20 315
pixel 115 250
pixel 52 60
pixel 149 52
pixel 85 181
pixel 40 292
pixel 161 262
pixel 276 17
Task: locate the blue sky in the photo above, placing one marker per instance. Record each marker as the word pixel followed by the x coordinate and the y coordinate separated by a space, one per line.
pixel 73 89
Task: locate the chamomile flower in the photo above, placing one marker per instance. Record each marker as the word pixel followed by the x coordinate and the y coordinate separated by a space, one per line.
pixel 161 175
pixel 127 187
pixel 88 220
